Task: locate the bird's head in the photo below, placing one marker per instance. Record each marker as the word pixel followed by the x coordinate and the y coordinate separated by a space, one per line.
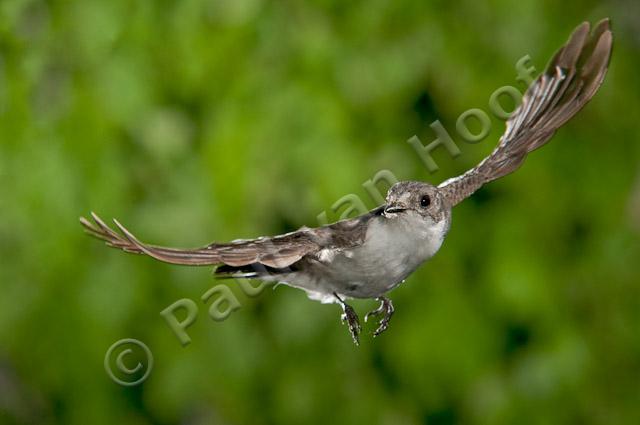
pixel 411 198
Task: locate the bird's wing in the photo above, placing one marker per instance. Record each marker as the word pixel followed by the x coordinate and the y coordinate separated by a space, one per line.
pixel 570 80
pixel 277 252
pixel 251 256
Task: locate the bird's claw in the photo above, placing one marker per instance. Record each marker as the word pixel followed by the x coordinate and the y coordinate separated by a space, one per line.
pixel 386 308
pixel 350 317
pixel 378 311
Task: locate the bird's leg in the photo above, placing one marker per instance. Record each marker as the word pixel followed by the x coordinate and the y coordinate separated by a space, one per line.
pixel 386 308
pixel 349 315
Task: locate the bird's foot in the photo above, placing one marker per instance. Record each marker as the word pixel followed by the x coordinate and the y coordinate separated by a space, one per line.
pixel 351 318
pixel 386 308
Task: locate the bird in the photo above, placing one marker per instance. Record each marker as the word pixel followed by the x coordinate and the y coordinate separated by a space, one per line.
pixel 368 256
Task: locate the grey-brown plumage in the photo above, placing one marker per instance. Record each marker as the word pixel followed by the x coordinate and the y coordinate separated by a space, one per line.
pixel 367 256
pixel 569 82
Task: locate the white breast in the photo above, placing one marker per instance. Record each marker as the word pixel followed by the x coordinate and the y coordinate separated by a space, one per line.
pixel 393 249
pixel 404 243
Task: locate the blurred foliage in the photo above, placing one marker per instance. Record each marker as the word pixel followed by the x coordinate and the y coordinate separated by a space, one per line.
pixel 197 120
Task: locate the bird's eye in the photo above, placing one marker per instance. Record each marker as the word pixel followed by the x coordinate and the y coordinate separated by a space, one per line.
pixel 425 201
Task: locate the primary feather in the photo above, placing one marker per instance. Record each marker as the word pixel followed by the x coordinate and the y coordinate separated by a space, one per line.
pixel 570 80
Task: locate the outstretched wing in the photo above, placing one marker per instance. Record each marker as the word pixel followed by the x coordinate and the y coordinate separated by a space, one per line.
pixel 571 79
pixel 276 253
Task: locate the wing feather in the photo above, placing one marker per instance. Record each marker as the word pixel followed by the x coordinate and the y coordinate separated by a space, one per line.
pixel 572 77
pixel 278 252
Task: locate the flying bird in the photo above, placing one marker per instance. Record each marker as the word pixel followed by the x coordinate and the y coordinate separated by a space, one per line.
pixel 368 256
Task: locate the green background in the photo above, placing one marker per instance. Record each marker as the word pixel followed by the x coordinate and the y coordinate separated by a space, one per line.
pixel 193 121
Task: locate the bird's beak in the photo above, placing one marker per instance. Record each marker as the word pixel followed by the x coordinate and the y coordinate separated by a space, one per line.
pixel 394 208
